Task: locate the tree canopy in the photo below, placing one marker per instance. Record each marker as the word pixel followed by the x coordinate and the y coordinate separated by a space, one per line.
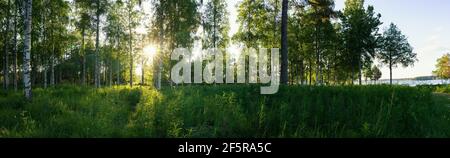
pixel 102 42
pixel 395 49
pixel 443 67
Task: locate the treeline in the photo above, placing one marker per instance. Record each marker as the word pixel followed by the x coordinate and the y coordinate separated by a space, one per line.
pixel 78 41
pixel 325 46
pixel 98 42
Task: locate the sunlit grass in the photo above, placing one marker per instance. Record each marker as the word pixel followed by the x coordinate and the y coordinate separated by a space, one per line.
pixel 69 111
pixel 226 111
pixel 304 112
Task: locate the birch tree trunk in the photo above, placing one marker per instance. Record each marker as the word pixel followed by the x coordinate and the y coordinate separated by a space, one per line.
pixel 27 50
pixel 96 67
pixel 142 73
pixel 118 60
pixel 118 73
pixel 160 69
pixel 5 55
pixel 360 70
pixel 15 48
pixel 157 77
pixel 44 36
pixel 131 44
pixel 110 72
pixel 52 64
pixel 83 75
pixel 45 75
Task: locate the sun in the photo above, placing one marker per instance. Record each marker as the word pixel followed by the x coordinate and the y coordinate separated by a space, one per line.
pixel 150 51
pixel 148 54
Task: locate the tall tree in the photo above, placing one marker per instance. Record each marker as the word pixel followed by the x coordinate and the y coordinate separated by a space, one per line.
pixel 284 43
pixel 376 73
pixel 56 12
pixel 443 67
pixel 296 39
pixel 131 13
pixel 360 29
pixel 44 36
pixel 395 49
pixel 6 43
pixel 115 30
pixel 173 25
pixel 15 50
pixel 215 24
pixel 323 11
pixel 27 50
pixel 303 30
pixel 368 73
pixel 158 34
pixel 83 24
pixel 100 6
pixel 259 24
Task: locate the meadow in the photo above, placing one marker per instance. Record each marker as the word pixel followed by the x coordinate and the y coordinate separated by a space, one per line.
pixel 228 111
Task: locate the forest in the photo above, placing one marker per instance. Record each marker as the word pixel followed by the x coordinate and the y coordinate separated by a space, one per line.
pixel 101 68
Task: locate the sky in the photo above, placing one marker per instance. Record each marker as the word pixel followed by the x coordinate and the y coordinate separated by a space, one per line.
pixel 426 23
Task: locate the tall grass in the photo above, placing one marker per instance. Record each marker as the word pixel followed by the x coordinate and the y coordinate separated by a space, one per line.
pixel 226 111
pixel 436 88
pixel 303 112
pixel 68 111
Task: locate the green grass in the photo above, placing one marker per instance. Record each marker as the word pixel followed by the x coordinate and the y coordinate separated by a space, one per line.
pixel 68 111
pixel 436 88
pixel 443 89
pixel 227 111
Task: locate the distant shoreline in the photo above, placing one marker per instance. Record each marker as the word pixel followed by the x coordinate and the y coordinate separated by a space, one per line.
pixel 410 82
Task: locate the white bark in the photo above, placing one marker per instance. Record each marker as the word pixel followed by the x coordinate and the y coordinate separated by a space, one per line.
pixel 118 60
pixel 27 50
pixel 15 49
pixel 110 73
pixel 131 44
pixel 97 68
pixel 52 66
pixel 83 75
pixel 5 55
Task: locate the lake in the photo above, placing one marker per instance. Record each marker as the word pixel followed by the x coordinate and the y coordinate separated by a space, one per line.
pixel 409 82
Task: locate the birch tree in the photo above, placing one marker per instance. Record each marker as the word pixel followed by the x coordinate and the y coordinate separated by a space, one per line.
pixel 27 50
pixel 6 43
